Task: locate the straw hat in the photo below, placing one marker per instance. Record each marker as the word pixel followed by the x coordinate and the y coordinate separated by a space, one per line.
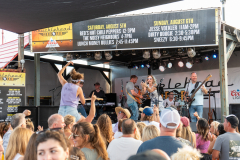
pixel 125 111
pixel 141 109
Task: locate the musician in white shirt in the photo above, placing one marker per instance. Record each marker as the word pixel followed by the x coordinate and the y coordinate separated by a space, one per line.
pixel 170 100
pixel 197 104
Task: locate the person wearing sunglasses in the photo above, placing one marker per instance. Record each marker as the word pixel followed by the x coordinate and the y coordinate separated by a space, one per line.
pixel 150 86
pixel 87 137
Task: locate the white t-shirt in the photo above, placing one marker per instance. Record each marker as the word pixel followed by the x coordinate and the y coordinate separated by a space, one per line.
pixel 167 103
pixel 117 134
pixel 122 148
pixel 17 156
pixel 152 123
pixel 198 96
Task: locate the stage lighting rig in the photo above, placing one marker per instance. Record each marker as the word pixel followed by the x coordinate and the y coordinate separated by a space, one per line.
pixel 169 65
pixel 156 54
pixel 191 53
pixel 146 54
pixel 108 55
pixel 180 63
pixel 98 56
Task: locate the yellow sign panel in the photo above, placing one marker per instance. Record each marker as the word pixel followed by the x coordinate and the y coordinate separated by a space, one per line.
pixel 62 32
pixel 12 79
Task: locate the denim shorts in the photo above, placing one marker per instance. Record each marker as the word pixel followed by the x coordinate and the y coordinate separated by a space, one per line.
pixel 65 110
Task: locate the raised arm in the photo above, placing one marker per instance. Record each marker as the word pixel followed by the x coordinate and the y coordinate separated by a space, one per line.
pixel 60 77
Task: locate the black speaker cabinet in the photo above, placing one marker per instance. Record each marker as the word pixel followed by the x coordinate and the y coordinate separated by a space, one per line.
pixel 235 109
pixel 193 126
pixel 111 97
pixel 44 112
pixel 33 116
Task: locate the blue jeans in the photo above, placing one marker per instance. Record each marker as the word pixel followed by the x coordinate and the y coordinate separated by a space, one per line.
pixel 195 108
pixel 65 110
pixel 134 108
pixel 81 110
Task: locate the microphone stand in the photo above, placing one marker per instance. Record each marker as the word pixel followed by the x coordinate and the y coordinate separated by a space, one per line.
pixel 158 90
pixel 53 90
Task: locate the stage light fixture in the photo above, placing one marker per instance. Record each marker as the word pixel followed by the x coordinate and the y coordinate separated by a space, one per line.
pixel 165 52
pixel 191 53
pixel 156 54
pixel 206 58
pixel 169 65
pixel 146 54
pixel 142 65
pixel 88 55
pixel 180 63
pixel 98 55
pixel 189 65
pixel 148 65
pixel 162 66
pixel 108 55
pixel 117 53
pixel 136 67
pixel 214 54
pixel 133 52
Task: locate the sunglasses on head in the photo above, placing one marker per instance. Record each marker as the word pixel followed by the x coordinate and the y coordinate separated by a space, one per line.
pixel 74 135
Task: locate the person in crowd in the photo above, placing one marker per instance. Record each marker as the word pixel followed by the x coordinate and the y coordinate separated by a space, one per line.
pixel 4 126
pixel 150 132
pixel 87 137
pixel 187 153
pixel 162 153
pixel 18 143
pixel 170 101
pixel 69 122
pixel 121 113
pixel 202 140
pixel 18 120
pixel 51 145
pixel 98 92
pixel 122 148
pixel 187 131
pixel 225 143
pixel 30 153
pixel 76 154
pixel 150 155
pixel 56 121
pixel 179 133
pixel 1 149
pixel 147 116
pixel 131 94
pixel 80 107
pixel 213 136
pixel 137 135
pixel 29 124
pixel 140 126
pixel 220 129
pixel 150 86
pixel 105 125
pixel 119 132
pixel 169 122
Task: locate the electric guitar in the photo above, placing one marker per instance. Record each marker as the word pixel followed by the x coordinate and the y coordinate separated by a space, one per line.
pixel 194 91
pixel 137 99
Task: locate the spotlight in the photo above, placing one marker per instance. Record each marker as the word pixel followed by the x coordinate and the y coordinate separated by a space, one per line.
pixel 98 55
pixel 117 53
pixel 133 53
pixel 169 65
pixel 136 67
pixel 88 55
pixel 156 54
pixel 148 65
pixel 162 66
pixel 165 52
pixel 214 55
pixel 180 63
pixel 191 53
pixel 189 64
pixel 206 58
pixel 69 57
pixel 108 55
pixel 142 66
pixel 146 54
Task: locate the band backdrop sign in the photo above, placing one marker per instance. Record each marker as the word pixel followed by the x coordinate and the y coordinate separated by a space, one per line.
pixel 178 82
pixel 12 94
pixel 172 29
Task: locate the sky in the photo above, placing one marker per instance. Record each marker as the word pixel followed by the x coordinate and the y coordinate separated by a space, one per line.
pixel 232 7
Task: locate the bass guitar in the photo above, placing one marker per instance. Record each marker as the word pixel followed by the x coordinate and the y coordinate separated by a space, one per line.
pixel 137 99
pixel 194 91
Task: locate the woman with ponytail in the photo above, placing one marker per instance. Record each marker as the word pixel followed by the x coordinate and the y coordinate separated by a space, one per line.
pixel 87 137
pixel 71 94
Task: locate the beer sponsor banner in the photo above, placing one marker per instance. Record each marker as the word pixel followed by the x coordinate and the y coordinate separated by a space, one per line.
pixel 58 38
pixel 12 94
pixel 178 82
pixel 171 29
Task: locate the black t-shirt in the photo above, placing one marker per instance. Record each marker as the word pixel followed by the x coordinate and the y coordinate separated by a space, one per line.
pixel 99 94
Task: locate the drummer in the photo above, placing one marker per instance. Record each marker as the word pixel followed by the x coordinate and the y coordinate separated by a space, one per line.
pixel 170 100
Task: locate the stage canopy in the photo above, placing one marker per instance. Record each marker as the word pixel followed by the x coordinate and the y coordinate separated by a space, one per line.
pixel 23 16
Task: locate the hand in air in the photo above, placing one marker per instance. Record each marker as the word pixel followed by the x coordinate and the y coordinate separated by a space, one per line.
pixel 195 114
pixel 155 109
pixel 40 128
pixel 70 63
pixel 27 112
pixel 93 98
pixel 142 84
pixel 210 137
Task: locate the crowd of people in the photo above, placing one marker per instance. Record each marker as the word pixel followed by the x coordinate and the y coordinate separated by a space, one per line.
pixel 170 137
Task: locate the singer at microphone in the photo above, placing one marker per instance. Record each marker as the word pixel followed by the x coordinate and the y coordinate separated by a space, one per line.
pixel 98 91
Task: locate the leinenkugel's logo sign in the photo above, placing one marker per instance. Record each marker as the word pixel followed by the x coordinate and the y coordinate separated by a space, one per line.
pixel 12 79
pixel 52 39
pixel 235 94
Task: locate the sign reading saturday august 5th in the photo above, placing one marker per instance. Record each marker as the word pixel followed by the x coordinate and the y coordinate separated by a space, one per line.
pixel 173 29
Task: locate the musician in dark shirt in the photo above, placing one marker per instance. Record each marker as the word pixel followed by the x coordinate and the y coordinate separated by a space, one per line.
pixel 98 92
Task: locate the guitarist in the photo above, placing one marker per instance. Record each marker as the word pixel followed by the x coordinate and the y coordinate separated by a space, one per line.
pixel 197 104
pixel 132 104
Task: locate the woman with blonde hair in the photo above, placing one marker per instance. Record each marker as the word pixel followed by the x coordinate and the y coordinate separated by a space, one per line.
pixel 105 125
pixel 187 153
pixel 150 86
pixel 29 124
pixel 213 136
pixel 150 132
pixel 140 126
pixel 18 143
pixel 87 137
pixel 179 133
pixel 187 131
pixel 69 122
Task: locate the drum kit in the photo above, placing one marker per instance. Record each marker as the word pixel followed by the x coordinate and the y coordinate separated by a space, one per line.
pixel 180 105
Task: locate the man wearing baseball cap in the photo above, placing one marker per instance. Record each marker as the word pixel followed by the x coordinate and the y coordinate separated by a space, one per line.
pixel 169 122
pixel 147 116
pixel 227 145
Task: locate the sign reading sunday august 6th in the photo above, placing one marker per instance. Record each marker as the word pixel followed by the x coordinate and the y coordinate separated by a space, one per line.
pixel 175 29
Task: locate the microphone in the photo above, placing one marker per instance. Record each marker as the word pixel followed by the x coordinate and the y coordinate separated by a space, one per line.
pixel 161 80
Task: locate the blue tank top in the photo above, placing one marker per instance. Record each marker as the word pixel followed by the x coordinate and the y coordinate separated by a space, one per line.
pixel 68 95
